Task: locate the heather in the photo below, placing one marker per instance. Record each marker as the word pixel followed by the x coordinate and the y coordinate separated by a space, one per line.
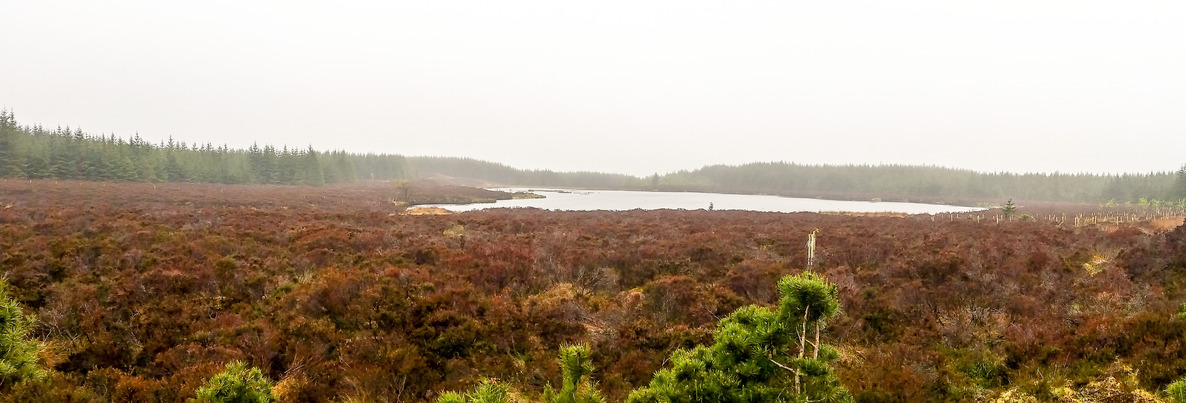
pixel 146 292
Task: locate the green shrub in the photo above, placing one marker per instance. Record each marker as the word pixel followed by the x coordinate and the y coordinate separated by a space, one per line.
pixel 1176 392
pixel 237 384
pixel 486 392
pixel 18 354
pixel 577 388
pixel 759 354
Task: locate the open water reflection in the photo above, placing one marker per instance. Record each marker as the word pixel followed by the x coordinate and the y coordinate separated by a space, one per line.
pixel 621 200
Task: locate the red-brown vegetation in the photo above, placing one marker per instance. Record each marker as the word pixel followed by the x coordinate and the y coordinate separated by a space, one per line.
pixel 144 291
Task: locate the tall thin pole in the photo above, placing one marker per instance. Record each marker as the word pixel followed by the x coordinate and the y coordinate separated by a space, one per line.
pixel 811 248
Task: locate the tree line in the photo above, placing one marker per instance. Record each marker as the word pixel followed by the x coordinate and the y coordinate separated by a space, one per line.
pixel 500 173
pixel 35 152
pixel 907 181
pixel 63 153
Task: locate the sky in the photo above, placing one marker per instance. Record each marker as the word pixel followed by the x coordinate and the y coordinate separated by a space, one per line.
pixel 635 87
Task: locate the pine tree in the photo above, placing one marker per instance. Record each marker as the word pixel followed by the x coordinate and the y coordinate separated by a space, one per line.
pixel 61 160
pixel 1179 190
pixel 311 173
pixel 18 353
pixel 1009 209
pixel 759 354
pixel 173 170
pixel 35 167
pixel 486 392
pixel 123 169
pixel 239 384
pixel 8 138
pixel 576 366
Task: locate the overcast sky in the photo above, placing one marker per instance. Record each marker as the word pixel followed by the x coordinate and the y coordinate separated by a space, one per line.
pixel 631 87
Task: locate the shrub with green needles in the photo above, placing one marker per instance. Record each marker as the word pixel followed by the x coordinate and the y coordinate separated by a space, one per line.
pixel 18 354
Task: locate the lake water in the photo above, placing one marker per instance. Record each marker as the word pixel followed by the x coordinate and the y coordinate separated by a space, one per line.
pixel 621 200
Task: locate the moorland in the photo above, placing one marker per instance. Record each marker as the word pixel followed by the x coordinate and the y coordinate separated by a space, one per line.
pixel 143 291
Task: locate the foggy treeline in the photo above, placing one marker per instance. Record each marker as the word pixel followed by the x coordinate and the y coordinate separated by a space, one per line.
pixel 903 181
pixel 890 182
pixel 35 152
pixel 498 173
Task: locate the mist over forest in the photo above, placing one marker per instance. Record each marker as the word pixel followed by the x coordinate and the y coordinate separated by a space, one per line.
pixel 35 152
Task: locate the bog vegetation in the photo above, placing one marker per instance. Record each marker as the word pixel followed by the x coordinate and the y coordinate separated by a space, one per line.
pixel 148 292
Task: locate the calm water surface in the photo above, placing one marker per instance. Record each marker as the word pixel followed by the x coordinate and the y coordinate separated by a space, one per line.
pixel 620 200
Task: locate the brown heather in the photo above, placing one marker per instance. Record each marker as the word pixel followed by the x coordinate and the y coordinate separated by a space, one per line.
pixel 143 291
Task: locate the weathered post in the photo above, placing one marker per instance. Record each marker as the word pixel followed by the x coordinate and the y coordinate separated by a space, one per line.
pixel 811 248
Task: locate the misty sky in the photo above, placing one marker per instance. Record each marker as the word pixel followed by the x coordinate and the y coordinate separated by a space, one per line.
pixel 631 87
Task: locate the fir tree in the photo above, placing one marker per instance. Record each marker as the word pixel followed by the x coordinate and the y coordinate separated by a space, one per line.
pixel 486 392
pixel 1179 190
pixel 238 384
pixel 759 354
pixel 576 366
pixel 18 353
pixel 311 173
pixel 8 137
